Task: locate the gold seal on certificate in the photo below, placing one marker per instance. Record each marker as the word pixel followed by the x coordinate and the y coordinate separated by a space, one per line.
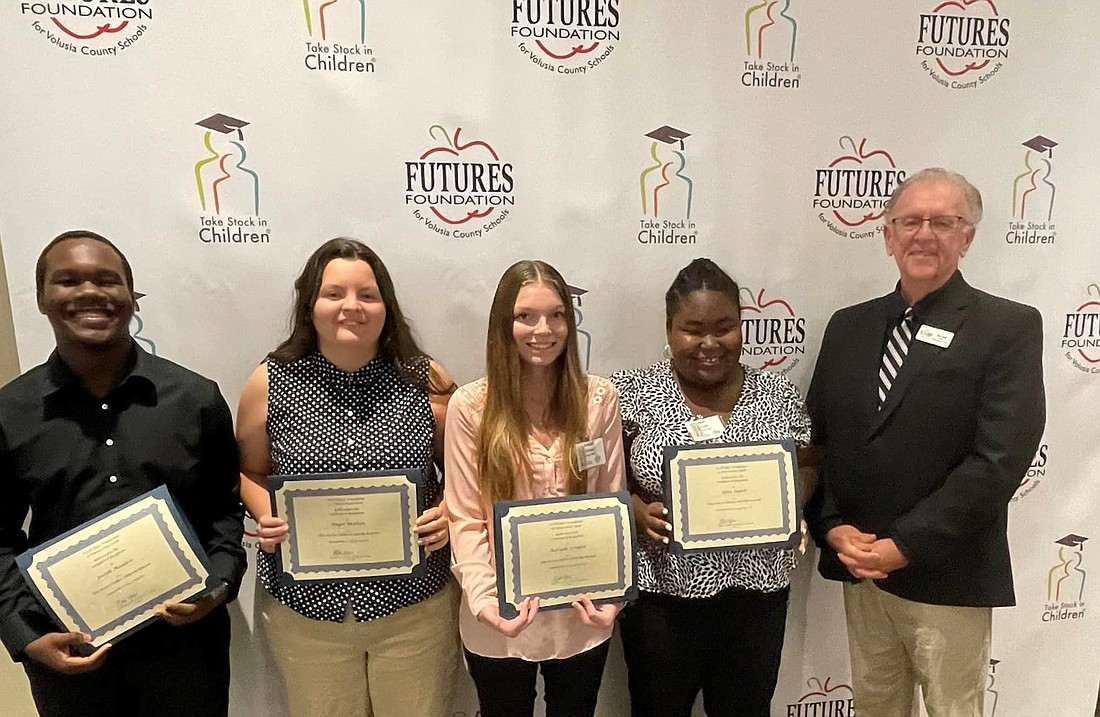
pixel 343 526
pixel 105 577
pixel 562 549
pixel 732 496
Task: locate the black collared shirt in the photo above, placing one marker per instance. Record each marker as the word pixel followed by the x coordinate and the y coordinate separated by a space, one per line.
pixel 69 457
pixel 895 311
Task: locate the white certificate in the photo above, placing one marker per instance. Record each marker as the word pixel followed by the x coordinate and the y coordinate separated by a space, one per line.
pixel 732 496
pixel 105 577
pixel 349 525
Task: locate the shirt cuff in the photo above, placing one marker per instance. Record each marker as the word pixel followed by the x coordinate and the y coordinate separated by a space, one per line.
pixel 22 628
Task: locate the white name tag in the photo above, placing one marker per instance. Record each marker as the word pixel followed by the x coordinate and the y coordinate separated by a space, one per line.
pixel 705 429
pixel 590 454
pixel 936 337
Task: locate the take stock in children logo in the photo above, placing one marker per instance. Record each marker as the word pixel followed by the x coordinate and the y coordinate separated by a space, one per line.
pixel 823 699
pixel 771 39
pixel 566 37
pixel 226 186
pixel 1081 333
pixel 1066 579
pixel 773 336
pixel 93 28
pixel 851 190
pixel 667 190
pixel 1033 192
pixel 337 37
pixel 962 44
pixel 459 187
pixel 584 338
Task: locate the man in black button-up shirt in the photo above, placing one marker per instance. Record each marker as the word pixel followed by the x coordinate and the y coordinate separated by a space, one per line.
pixel 100 423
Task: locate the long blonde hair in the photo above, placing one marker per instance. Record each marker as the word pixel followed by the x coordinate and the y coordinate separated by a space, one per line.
pixel 502 439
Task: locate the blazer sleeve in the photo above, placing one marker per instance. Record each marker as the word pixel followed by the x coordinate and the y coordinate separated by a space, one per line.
pixel 1009 425
pixel 821 512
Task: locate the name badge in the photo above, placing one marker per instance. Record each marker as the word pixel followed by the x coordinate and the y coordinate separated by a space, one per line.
pixel 705 429
pixel 590 454
pixel 936 337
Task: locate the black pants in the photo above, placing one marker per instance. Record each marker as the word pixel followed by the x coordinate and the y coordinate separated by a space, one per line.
pixel 506 686
pixel 727 645
pixel 160 671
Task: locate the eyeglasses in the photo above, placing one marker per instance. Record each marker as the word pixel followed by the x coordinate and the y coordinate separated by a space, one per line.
pixel 940 225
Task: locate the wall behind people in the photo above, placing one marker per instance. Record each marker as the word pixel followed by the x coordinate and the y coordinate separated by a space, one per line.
pixel 220 143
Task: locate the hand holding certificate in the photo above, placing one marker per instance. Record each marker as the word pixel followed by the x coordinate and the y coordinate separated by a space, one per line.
pixel 349 525
pixel 732 496
pixel 561 550
pixel 106 577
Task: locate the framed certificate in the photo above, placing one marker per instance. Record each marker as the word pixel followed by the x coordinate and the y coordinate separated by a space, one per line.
pixel 562 549
pixel 732 496
pixel 349 526
pixel 105 577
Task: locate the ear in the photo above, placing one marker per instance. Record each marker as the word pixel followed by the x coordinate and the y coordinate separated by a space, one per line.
pixel 888 238
pixel 968 238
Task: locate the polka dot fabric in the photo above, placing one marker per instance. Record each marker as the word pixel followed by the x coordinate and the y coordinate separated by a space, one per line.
pixel 321 419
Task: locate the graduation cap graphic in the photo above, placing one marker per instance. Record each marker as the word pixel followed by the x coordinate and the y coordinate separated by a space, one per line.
pixel 1073 541
pixel 224 124
pixel 669 135
pixel 993 662
pixel 1041 144
pixel 576 293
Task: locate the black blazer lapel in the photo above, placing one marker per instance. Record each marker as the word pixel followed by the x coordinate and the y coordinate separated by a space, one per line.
pixel 948 314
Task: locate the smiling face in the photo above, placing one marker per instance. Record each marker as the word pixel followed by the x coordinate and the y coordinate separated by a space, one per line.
pixel 925 259
pixel 348 312
pixel 704 336
pixel 85 296
pixel 539 325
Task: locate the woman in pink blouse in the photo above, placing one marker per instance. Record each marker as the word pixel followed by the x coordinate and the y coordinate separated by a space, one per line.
pixel 511 436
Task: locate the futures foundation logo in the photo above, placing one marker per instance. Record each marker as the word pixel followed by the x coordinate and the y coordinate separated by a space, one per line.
pixel 853 189
pixel 963 43
pixel 93 28
pixel 1033 193
pixel 228 190
pixel 1066 581
pixel 667 190
pixel 1081 335
pixel 771 37
pixel 337 36
pixel 773 336
pixel 566 37
pixel 460 187
pixel 1036 472
pixel 823 700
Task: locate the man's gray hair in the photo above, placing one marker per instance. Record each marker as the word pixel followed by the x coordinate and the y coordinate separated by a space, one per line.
pixel 938 174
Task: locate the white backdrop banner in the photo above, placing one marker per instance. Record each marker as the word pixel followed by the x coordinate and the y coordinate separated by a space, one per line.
pixel 220 143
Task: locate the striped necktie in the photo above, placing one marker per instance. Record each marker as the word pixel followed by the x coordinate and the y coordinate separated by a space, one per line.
pixel 897 347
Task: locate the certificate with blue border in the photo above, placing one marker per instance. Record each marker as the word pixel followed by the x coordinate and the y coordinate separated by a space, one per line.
pixel 349 526
pixel 105 577
pixel 732 496
pixel 562 549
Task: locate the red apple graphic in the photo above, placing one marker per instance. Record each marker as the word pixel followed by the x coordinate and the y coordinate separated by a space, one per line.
pixel 963 5
pixel 859 156
pixel 454 148
pixel 819 691
pixel 573 51
pixel 764 309
pixel 1095 308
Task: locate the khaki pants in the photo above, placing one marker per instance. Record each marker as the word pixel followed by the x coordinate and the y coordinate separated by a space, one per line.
pixel 897 644
pixel 398 666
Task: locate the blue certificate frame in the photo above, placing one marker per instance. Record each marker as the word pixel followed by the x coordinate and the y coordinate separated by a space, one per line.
pixel 300 560
pixel 606 515
pixel 67 598
pixel 691 470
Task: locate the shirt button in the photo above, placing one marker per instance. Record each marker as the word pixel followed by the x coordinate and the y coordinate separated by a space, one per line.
pixel 110 441
pixel 350 413
pixel 113 479
pixel 105 407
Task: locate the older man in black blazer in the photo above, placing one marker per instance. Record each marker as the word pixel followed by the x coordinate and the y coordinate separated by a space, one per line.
pixel 929 403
